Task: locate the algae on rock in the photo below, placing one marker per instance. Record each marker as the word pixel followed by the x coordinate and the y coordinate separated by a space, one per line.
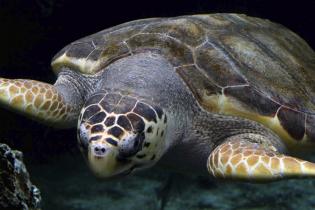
pixel 16 189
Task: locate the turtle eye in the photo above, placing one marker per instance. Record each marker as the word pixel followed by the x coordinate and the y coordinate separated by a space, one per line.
pixel 83 136
pixel 131 145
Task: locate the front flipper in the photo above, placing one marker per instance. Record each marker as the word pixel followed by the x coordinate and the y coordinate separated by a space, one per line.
pixel 37 100
pixel 241 158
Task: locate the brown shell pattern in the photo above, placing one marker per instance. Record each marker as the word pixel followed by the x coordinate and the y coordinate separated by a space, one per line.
pixel 233 64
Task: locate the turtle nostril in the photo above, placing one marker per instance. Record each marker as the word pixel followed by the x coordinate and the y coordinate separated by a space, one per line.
pixel 99 150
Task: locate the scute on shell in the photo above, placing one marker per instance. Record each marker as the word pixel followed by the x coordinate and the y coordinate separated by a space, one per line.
pixel 233 64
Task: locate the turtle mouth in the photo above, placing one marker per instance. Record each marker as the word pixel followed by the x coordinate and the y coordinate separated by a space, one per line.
pixel 108 166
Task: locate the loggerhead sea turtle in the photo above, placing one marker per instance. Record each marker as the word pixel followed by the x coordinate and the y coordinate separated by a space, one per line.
pixel 224 94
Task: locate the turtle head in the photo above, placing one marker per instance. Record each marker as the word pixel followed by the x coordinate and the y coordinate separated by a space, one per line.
pixel 119 134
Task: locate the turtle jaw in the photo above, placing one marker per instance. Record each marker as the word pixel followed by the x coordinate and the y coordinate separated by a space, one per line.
pixel 107 165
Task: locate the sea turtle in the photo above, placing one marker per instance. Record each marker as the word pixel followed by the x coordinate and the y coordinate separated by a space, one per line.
pixel 223 94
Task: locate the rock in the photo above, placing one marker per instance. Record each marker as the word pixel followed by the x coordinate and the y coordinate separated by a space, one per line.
pixel 16 191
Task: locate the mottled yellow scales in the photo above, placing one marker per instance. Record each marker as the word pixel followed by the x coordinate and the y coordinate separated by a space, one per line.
pixel 224 94
pixel 35 99
pixel 243 160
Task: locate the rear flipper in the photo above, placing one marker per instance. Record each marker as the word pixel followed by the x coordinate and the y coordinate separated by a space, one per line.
pixel 37 100
pixel 239 157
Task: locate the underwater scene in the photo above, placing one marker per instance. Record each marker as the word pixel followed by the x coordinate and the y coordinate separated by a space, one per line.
pixel 209 108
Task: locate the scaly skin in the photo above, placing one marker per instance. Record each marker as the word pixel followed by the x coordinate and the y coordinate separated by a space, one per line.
pixel 253 161
pixel 120 133
pixel 38 100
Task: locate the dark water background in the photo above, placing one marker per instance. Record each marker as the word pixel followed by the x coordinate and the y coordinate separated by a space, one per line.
pixel 33 31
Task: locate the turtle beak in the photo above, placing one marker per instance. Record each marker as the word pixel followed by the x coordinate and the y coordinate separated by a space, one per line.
pixel 103 161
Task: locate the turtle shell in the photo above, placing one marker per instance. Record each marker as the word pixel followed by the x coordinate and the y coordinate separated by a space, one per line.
pixel 233 64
